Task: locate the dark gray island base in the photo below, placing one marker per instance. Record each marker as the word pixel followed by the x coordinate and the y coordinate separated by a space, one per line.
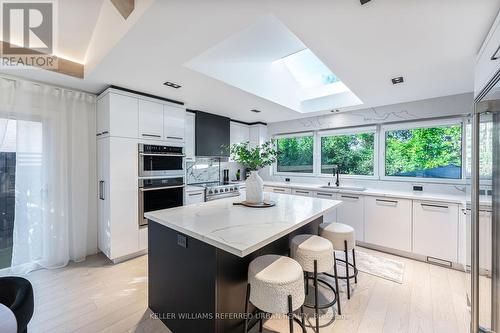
pixel 199 287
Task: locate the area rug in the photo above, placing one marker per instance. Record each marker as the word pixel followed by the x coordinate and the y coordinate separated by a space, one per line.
pixel 385 268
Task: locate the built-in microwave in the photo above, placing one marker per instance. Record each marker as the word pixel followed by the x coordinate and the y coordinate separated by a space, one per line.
pixel 156 160
pixel 159 193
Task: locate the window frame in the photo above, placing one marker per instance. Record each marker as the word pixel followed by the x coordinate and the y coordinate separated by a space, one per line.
pixel 422 124
pixel 349 131
pixel 296 174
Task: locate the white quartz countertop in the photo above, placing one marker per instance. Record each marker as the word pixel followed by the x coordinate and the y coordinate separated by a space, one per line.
pixel 242 230
pixel 427 196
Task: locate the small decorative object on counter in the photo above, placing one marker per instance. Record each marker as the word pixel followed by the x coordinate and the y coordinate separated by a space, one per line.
pixel 238 174
pixel 254 159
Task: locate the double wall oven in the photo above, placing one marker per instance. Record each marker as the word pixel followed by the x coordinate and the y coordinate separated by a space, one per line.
pixel 161 178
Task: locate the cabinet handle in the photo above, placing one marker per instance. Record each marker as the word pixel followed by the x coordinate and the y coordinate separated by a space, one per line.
pixel 174 137
pixel 151 135
pixel 324 194
pixel 387 201
pixel 105 132
pixel 495 54
pixel 194 194
pixel 302 192
pixel 98 134
pixel 433 206
pixel 278 190
pixel 101 190
pixel 349 197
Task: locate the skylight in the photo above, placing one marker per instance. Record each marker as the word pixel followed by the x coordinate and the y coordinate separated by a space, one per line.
pixel 271 62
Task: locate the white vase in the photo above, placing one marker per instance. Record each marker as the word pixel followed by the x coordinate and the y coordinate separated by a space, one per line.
pixel 255 188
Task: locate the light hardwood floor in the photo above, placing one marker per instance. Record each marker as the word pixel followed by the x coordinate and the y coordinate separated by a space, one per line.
pixel 97 296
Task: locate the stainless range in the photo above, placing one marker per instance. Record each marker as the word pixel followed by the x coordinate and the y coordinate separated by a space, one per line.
pixel 214 191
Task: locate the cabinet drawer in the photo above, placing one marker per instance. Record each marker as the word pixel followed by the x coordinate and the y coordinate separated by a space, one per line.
pixel 351 212
pixel 435 230
pixel 194 197
pixel 304 193
pixel 143 238
pixel 388 222
pixel 324 195
pixel 277 189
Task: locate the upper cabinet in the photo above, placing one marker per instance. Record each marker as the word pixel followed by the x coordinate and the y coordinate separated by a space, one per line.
pixel 174 122
pixel 117 115
pixel 123 114
pixel 239 133
pixel 150 120
pixel 258 134
pixel 189 136
pixel 488 61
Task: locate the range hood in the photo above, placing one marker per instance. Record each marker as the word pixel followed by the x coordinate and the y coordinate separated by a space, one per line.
pixel 212 133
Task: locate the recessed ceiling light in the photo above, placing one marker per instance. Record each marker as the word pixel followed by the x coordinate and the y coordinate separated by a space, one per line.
pixel 397 80
pixel 255 110
pixel 364 1
pixel 173 85
pixel 336 110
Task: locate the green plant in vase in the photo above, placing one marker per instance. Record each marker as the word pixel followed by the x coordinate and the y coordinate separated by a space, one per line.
pixel 254 158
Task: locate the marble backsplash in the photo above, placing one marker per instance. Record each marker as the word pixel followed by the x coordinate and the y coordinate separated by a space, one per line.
pixel 205 170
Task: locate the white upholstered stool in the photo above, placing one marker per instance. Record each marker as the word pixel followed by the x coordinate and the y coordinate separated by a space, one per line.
pixel 315 255
pixel 275 285
pixel 343 239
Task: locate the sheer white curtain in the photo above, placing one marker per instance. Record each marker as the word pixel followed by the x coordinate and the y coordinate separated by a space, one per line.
pixel 55 172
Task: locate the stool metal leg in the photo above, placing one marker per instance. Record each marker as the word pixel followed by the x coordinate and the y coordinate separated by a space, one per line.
pixel 306 279
pixel 261 322
pixel 247 300
pixel 354 263
pixel 346 253
pixel 303 319
pixel 316 301
pixel 336 282
pixel 290 313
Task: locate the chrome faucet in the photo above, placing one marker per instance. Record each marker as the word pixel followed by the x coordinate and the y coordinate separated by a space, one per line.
pixel 336 172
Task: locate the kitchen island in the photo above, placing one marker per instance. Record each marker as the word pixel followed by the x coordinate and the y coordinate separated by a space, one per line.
pixel 199 255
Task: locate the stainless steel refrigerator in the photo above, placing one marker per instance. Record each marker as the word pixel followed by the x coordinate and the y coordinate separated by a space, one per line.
pixel 483 229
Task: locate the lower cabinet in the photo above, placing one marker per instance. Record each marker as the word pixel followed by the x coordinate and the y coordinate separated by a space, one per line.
pixel 351 212
pixel 332 215
pixel 284 190
pixel 388 222
pixel 304 193
pixel 143 238
pixel 194 197
pixel 435 230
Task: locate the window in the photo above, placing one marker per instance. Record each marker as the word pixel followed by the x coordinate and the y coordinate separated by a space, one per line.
pixel 485 149
pixel 295 154
pixel 425 152
pixel 352 153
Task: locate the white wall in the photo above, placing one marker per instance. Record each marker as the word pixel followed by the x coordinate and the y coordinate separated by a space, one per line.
pixel 455 105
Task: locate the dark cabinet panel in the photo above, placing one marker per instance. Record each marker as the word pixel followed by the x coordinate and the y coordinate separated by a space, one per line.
pixel 211 134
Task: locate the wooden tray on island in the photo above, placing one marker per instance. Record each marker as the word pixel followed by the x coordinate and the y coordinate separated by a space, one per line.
pixel 265 204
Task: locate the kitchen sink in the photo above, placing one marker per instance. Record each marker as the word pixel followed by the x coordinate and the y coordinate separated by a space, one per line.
pixel 346 188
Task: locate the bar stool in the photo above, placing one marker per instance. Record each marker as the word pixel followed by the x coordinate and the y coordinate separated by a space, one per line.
pixel 275 285
pixel 315 255
pixel 343 239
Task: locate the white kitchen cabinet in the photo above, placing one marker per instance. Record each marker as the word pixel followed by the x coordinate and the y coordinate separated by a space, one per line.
pixel 351 212
pixel 304 193
pixel 330 216
pixel 150 120
pixel 143 238
pixel 117 115
pixel 239 133
pixel 174 121
pixel 194 197
pixel 388 222
pixel 435 230
pixel 118 228
pixel 258 134
pixel 189 136
pixel 488 61
pixel 284 190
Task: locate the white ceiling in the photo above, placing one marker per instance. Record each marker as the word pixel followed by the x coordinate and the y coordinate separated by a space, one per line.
pixel 431 43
